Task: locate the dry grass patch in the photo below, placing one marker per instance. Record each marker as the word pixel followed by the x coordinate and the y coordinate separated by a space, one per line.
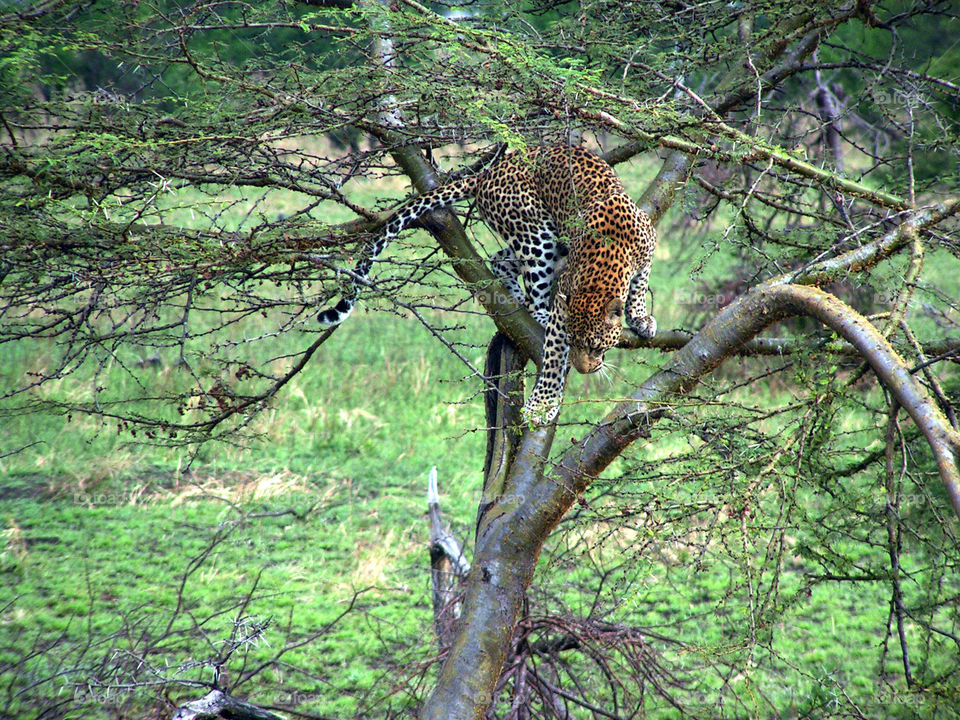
pixel 378 560
pixel 14 544
pixel 241 488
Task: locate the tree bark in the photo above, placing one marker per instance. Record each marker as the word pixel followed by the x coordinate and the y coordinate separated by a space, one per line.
pixel 217 705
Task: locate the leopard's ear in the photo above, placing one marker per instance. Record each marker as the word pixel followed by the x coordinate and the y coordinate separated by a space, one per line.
pixel 614 310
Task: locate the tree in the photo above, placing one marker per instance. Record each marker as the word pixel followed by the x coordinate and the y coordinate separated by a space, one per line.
pixel 811 147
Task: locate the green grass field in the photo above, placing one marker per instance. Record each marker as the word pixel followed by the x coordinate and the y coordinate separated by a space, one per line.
pixel 130 556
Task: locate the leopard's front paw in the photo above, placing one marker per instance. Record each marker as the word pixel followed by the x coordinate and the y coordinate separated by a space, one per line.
pixel 645 327
pixel 541 413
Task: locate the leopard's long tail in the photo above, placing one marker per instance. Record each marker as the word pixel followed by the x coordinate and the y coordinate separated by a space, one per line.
pixel 408 213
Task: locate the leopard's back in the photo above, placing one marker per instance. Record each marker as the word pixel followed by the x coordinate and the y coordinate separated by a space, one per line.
pixel 546 202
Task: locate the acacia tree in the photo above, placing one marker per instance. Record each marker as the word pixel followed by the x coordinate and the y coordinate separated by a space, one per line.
pixel 812 148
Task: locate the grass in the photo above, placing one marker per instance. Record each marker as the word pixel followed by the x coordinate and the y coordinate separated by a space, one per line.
pixel 112 542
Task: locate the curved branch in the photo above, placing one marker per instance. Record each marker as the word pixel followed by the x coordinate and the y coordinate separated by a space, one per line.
pixel 890 368
pixel 824 271
pixel 513 532
pixel 658 197
pixel 671 340
pixel 732 327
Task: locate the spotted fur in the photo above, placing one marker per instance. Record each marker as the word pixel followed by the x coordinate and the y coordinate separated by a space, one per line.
pixel 535 201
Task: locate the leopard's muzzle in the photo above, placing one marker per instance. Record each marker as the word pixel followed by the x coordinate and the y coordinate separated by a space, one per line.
pixel 584 360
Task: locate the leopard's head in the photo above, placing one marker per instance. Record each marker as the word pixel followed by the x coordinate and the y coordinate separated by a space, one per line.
pixel 593 325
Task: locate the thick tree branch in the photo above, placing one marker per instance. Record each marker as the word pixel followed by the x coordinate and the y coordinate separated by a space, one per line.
pixel 733 326
pixel 505 558
pixel 512 537
pixel 670 340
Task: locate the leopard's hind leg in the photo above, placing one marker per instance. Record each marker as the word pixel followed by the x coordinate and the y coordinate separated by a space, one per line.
pixel 635 312
pixel 533 253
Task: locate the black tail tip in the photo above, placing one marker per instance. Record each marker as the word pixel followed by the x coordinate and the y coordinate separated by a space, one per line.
pixel 328 317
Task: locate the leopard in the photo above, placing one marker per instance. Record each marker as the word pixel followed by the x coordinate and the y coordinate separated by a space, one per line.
pixel 580 244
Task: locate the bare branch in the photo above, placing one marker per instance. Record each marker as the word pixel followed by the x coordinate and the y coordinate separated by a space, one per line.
pixel 217 705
